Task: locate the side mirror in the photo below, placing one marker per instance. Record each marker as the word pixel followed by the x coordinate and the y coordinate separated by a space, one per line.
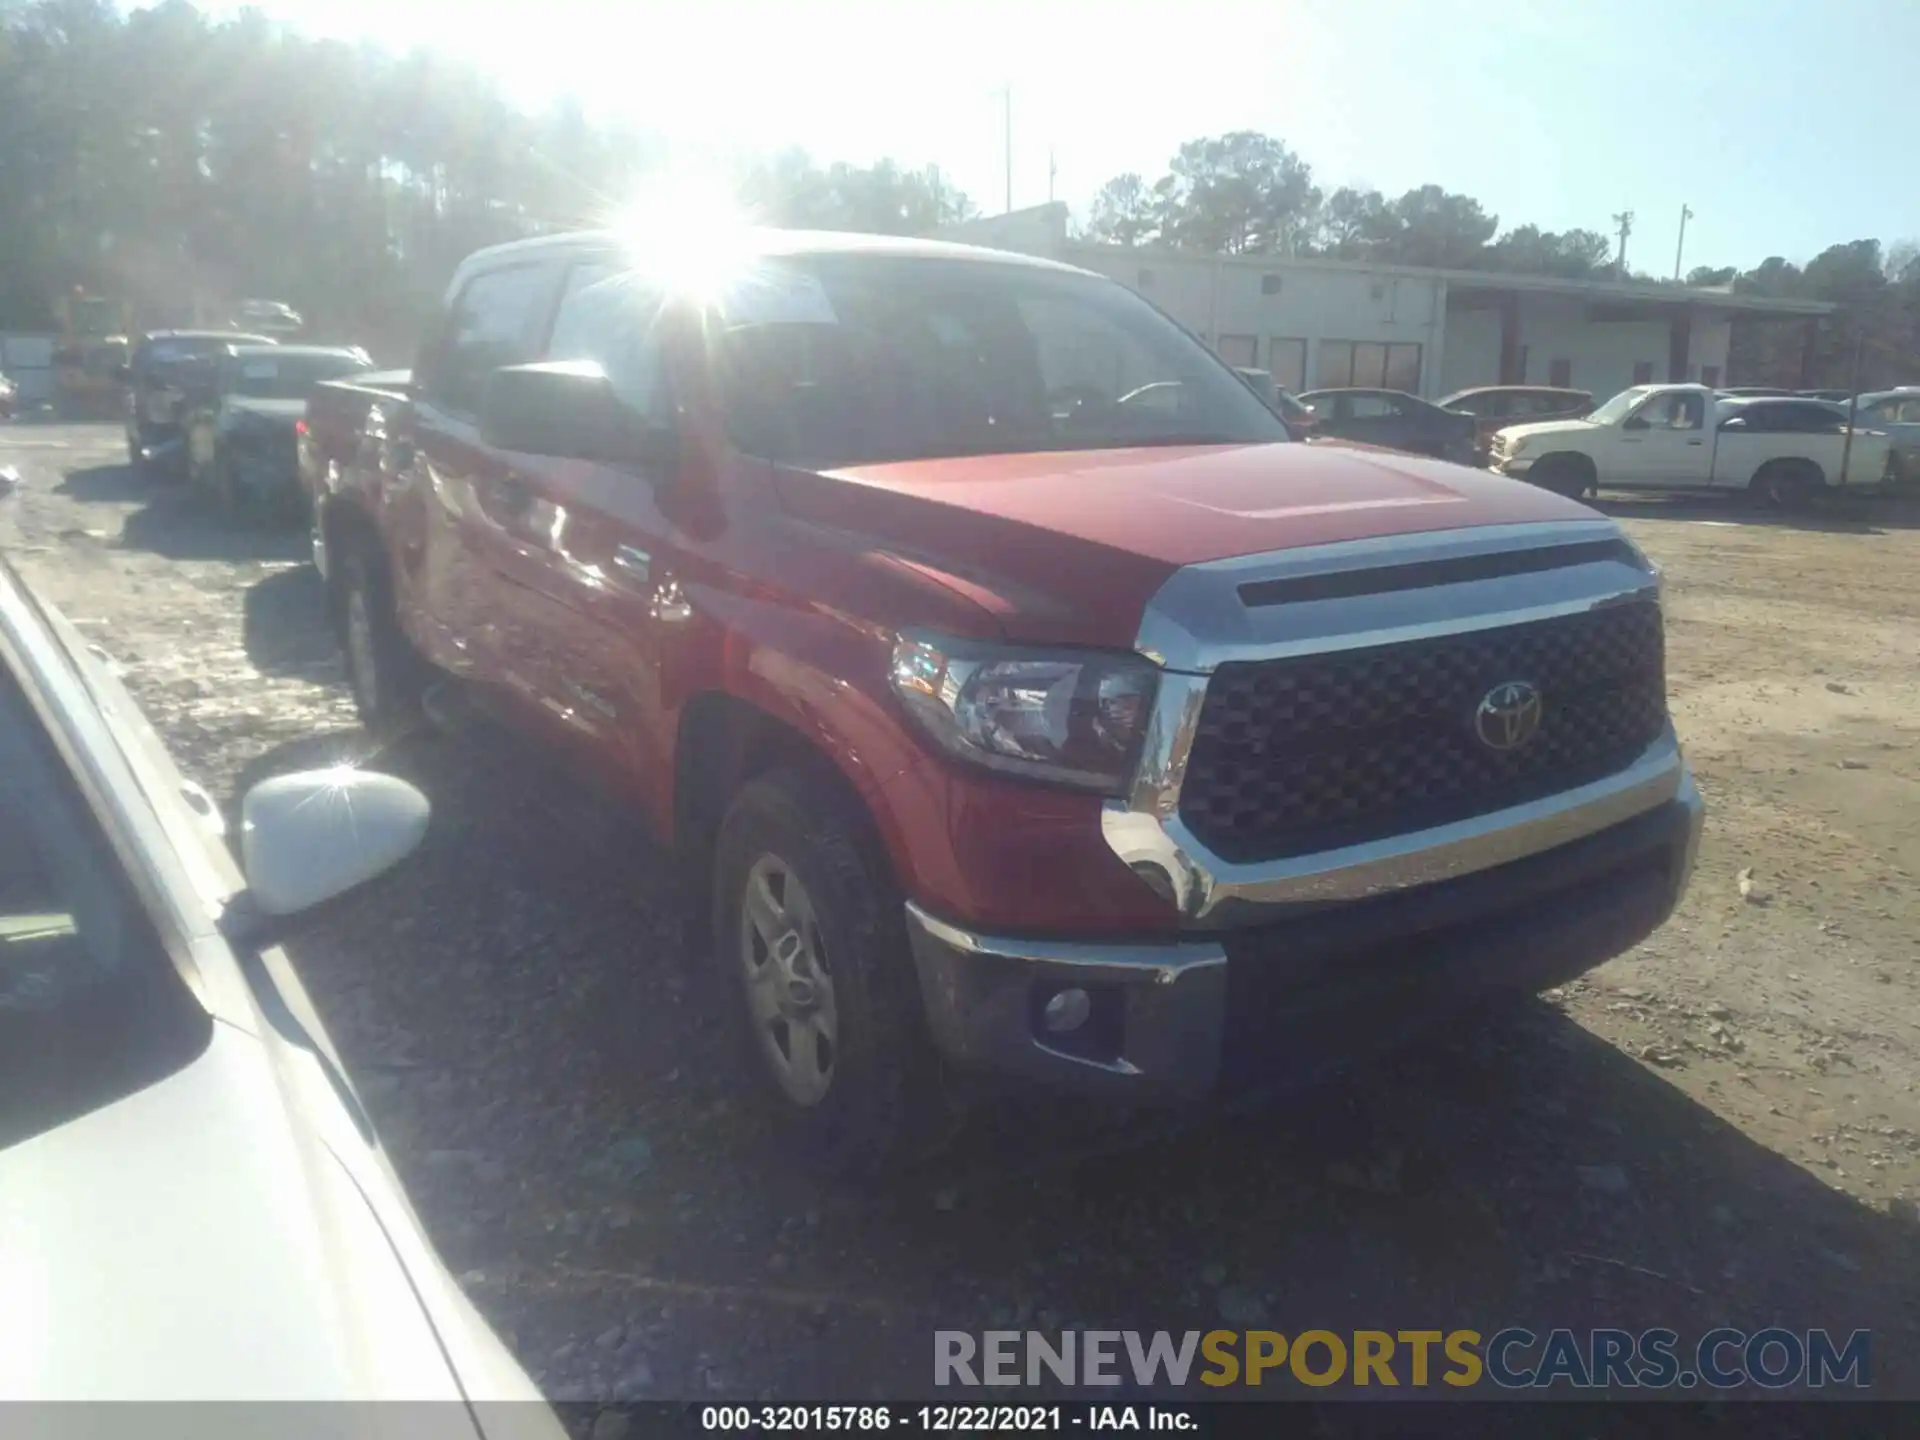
pixel 316 834
pixel 568 409
pixel 1635 422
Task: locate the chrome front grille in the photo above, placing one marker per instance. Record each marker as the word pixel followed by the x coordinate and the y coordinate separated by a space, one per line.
pixel 1314 752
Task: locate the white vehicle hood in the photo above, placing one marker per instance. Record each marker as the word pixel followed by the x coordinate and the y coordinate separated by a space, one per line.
pixel 194 1241
pixel 1546 427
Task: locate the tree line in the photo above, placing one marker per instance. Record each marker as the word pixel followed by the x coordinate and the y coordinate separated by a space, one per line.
pixel 163 155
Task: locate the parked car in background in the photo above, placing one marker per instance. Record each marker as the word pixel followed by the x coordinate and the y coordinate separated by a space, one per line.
pixel 1496 406
pixel 1748 392
pixel 330 436
pixel 9 397
pixel 162 368
pixel 1842 396
pixel 1394 419
pixel 270 317
pixel 241 432
pixel 1897 412
pixel 197 1196
pixel 1687 437
pixel 1017 695
pixel 1297 416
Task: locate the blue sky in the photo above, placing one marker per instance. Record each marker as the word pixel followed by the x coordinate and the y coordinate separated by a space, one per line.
pixel 1784 124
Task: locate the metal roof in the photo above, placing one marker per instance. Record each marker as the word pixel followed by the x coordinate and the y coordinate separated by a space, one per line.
pixel 1618 291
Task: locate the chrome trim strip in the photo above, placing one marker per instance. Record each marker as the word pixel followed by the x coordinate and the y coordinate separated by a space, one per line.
pixel 1206 888
pixel 1162 963
pixel 1198 622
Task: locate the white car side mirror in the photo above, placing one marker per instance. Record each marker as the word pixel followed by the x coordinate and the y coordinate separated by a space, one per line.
pixel 315 834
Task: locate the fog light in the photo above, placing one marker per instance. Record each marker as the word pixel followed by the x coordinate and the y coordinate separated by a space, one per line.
pixel 1067 1011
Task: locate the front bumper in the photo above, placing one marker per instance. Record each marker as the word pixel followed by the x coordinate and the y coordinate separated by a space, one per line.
pixel 1314 986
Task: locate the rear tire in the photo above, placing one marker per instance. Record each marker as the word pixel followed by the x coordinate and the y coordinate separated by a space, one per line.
pixel 1784 485
pixel 386 674
pixel 811 950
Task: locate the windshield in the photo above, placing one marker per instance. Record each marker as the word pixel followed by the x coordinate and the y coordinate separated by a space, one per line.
pixel 829 361
pixel 91 1007
pixel 1616 408
pixel 286 377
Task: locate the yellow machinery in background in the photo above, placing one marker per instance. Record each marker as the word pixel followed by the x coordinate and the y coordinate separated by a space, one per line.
pixel 95 335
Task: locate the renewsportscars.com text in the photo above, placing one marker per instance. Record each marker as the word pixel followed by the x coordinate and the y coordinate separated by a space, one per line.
pixel 1512 1358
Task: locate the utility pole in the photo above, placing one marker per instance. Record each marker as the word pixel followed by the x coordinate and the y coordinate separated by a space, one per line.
pixel 1007 95
pixel 1680 248
pixel 1625 221
pixel 1053 171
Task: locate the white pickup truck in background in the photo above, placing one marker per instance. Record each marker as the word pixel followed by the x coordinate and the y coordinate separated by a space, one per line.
pixel 1688 437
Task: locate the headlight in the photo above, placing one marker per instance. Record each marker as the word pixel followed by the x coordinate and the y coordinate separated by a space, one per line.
pixel 1074 717
pixel 1512 445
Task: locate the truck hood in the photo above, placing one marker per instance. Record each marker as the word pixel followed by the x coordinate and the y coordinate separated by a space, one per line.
pixel 1547 427
pixel 1070 546
pixel 193 1241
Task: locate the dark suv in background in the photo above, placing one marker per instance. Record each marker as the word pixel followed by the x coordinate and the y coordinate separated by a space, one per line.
pixel 157 376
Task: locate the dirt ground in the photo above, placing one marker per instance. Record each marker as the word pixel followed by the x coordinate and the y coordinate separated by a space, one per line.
pixel 1721 1128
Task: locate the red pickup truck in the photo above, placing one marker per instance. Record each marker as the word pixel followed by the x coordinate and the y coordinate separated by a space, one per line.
pixel 1023 696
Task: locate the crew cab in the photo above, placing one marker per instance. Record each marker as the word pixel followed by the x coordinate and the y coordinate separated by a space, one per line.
pixel 1019 696
pixel 1688 437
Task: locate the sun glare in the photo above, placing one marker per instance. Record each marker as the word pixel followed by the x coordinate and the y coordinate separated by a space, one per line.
pixel 689 233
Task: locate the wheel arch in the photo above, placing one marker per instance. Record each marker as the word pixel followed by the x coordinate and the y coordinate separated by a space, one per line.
pixel 722 743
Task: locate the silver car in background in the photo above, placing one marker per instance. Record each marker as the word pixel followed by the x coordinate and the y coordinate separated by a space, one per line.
pixel 193 1205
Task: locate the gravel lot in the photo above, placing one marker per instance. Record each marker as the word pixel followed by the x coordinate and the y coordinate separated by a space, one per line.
pixel 1720 1128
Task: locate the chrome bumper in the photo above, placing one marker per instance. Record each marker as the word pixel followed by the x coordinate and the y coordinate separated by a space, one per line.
pixel 1309 990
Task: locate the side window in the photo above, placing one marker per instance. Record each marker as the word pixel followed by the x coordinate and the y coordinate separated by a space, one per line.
pixel 1810 419
pixel 1371 407
pixel 1485 406
pixel 606 315
pixel 491 324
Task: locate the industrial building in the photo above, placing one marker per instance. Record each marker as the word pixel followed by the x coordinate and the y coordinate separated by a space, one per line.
pixel 1320 323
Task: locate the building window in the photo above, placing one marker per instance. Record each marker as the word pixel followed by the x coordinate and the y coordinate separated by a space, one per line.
pixel 1287 362
pixel 1710 376
pixel 1269 284
pixel 1643 372
pixel 1403 368
pixel 1370 364
pixel 1560 374
pixel 1240 349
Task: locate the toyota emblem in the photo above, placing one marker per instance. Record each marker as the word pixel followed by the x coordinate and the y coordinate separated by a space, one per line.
pixel 1509 715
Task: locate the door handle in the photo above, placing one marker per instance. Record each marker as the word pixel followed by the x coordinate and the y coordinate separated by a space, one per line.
pixel 1696 442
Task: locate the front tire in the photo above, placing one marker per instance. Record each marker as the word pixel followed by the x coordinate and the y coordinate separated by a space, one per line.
pixel 812 953
pixel 386 674
pixel 1570 475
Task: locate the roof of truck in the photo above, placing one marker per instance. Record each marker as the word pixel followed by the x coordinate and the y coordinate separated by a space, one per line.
pixel 769 242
